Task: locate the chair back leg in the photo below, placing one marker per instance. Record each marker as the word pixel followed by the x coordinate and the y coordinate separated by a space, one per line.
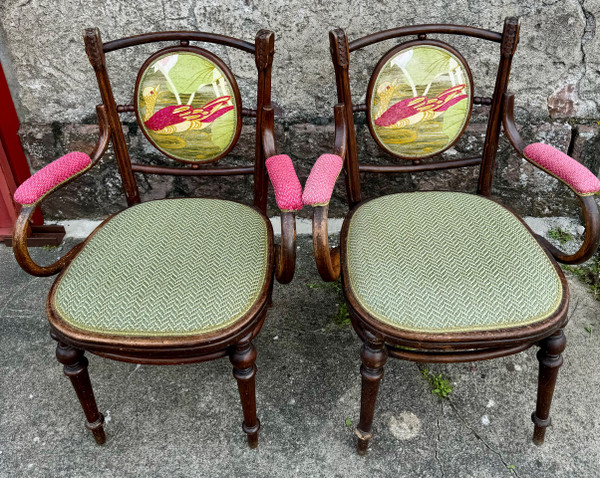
pixel 75 367
pixel 550 359
pixel 243 360
pixel 374 356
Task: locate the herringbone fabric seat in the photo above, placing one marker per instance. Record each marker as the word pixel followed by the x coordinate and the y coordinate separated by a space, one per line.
pixel 172 267
pixel 447 262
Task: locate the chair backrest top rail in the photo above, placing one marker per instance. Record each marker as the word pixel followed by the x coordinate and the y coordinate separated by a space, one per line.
pixel 183 36
pixel 425 29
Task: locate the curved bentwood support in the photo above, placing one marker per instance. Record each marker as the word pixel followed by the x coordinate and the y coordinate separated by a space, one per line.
pixel 285 252
pixel 181 36
pixel 588 203
pixel 328 259
pixel 21 228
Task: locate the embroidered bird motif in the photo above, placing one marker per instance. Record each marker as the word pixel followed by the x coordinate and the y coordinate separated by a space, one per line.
pixel 410 111
pixel 179 118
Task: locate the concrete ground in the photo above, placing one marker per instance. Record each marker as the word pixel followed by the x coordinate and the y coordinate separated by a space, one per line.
pixel 185 420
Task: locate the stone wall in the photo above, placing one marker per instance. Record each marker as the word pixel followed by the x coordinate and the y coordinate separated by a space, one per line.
pixel 556 76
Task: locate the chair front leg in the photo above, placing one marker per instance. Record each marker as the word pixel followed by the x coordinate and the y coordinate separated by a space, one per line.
pixel 75 367
pixel 550 359
pixel 243 360
pixel 373 355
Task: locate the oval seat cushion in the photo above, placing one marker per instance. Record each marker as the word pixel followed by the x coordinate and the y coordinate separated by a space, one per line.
pixel 167 268
pixel 443 262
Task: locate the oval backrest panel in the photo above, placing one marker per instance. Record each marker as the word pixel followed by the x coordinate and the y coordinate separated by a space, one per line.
pixel 419 99
pixel 188 104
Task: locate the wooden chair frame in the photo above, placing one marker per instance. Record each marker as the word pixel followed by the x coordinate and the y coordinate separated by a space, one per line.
pixel 380 340
pixel 234 341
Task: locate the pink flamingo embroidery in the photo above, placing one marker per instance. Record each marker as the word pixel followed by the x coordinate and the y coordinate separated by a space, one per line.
pixel 410 111
pixel 178 118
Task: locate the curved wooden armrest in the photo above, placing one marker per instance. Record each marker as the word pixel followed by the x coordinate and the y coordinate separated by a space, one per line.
pixel 590 240
pixel 21 251
pixel 588 203
pixel 327 259
pixel 21 229
pixel 285 253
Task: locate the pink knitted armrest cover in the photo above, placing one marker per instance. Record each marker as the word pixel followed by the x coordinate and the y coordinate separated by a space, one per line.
pixel 51 176
pixel 321 180
pixel 563 167
pixel 288 191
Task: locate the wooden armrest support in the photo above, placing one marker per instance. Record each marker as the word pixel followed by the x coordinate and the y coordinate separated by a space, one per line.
pixel 285 252
pixel 21 250
pixel 588 203
pixel 327 259
pixel 22 228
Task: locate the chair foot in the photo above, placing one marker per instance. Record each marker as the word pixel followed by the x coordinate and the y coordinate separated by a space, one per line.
pixel 550 359
pixel 244 370
pixel 75 367
pixel 373 355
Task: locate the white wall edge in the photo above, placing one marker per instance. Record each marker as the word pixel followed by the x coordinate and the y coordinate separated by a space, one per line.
pixel 81 228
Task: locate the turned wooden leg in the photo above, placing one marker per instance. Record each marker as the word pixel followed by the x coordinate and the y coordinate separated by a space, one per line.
pixel 550 359
pixel 75 367
pixel 244 371
pixel 373 355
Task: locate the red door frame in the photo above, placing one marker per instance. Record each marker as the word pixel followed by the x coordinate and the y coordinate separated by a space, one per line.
pixel 14 169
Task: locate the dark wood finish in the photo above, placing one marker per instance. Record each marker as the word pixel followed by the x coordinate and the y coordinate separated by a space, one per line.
pixel 415 168
pixel 510 39
pixel 95 52
pixel 550 359
pixel 373 355
pixel 181 36
pixel 382 340
pixel 234 341
pixel 588 204
pixel 424 30
pixel 46 235
pixel 243 359
pixel 22 225
pixel 230 79
pixel 328 260
pixel 340 55
pixel 381 64
pixel 191 171
pixel 75 367
pixel 264 51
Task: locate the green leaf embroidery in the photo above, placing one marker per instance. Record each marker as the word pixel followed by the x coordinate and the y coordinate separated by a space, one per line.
pixel 454 118
pixel 190 72
pixel 222 130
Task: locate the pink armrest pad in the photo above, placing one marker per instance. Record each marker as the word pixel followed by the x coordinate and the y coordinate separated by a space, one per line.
pixel 321 180
pixel 288 191
pixel 563 167
pixel 51 176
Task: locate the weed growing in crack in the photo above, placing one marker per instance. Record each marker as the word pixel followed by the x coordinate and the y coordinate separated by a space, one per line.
pixel 560 235
pixel 439 386
pixel 588 274
pixel 341 317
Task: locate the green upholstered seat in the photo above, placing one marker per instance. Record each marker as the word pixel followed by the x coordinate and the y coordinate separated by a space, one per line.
pixel 172 267
pixel 438 262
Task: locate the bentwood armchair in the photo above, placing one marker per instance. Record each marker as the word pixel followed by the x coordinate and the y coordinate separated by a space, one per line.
pixel 180 280
pixel 441 276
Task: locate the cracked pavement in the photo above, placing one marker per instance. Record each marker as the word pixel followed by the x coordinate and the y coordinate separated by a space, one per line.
pixel 186 420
